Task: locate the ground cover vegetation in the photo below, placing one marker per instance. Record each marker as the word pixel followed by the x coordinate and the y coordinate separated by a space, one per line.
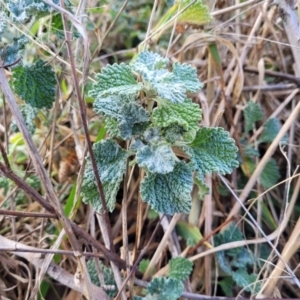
pixel 149 149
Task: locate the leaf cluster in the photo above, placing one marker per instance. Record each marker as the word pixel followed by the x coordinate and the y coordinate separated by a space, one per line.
pixel 147 104
pixel 170 287
pixel 235 262
pixel 252 114
pixel 34 83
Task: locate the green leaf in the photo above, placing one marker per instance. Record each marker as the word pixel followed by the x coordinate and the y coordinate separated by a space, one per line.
pixel 165 288
pixel 251 151
pixel 174 133
pixel 203 189
pixel 4 184
pixel 227 285
pixel 271 129
pixel 171 86
pixel 196 14
pixel 216 60
pixel 149 61
pixel 143 265
pixel 152 214
pixel 270 174
pixel 112 105
pixel 231 234
pixel 115 80
pixel 223 262
pixel 169 193
pixel 245 280
pixel 29 113
pixel 189 232
pixel 12 52
pixel 107 273
pixel 35 84
pixel 22 10
pixel 268 177
pixel 111 163
pixel 187 115
pixel 125 114
pixel 132 120
pixel 252 114
pixel 212 151
pixel 157 159
pixel 101 133
pixel 57 27
pixel 112 127
pixel 244 258
pixel 136 144
pixel 180 268
pixel 70 205
pixel 186 75
pixel 235 262
pixel 3 23
pixel 152 135
pixel 268 217
pixel 43 289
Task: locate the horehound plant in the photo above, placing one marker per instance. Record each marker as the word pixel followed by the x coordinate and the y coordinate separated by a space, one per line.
pixel 147 105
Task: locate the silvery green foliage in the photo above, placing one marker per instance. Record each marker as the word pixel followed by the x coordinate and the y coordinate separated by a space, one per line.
pixel 186 114
pixel 115 80
pixel 170 288
pixel 212 151
pixel 156 156
pixel 166 288
pixel 271 129
pixel 177 119
pixel 148 61
pixel 22 10
pixel 124 110
pixel 252 114
pixel 235 262
pixel 111 163
pixel 132 119
pixel 175 133
pixel 156 159
pixel 35 84
pixel 169 193
pixel 29 113
pixel 161 288
pixel 13 51
pixel 171 86
pixel 180 268
pixel 125 94
pixel 3 24
pixel 270 174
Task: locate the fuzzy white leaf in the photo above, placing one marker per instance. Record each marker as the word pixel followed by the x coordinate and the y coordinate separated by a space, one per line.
pixel 169 193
